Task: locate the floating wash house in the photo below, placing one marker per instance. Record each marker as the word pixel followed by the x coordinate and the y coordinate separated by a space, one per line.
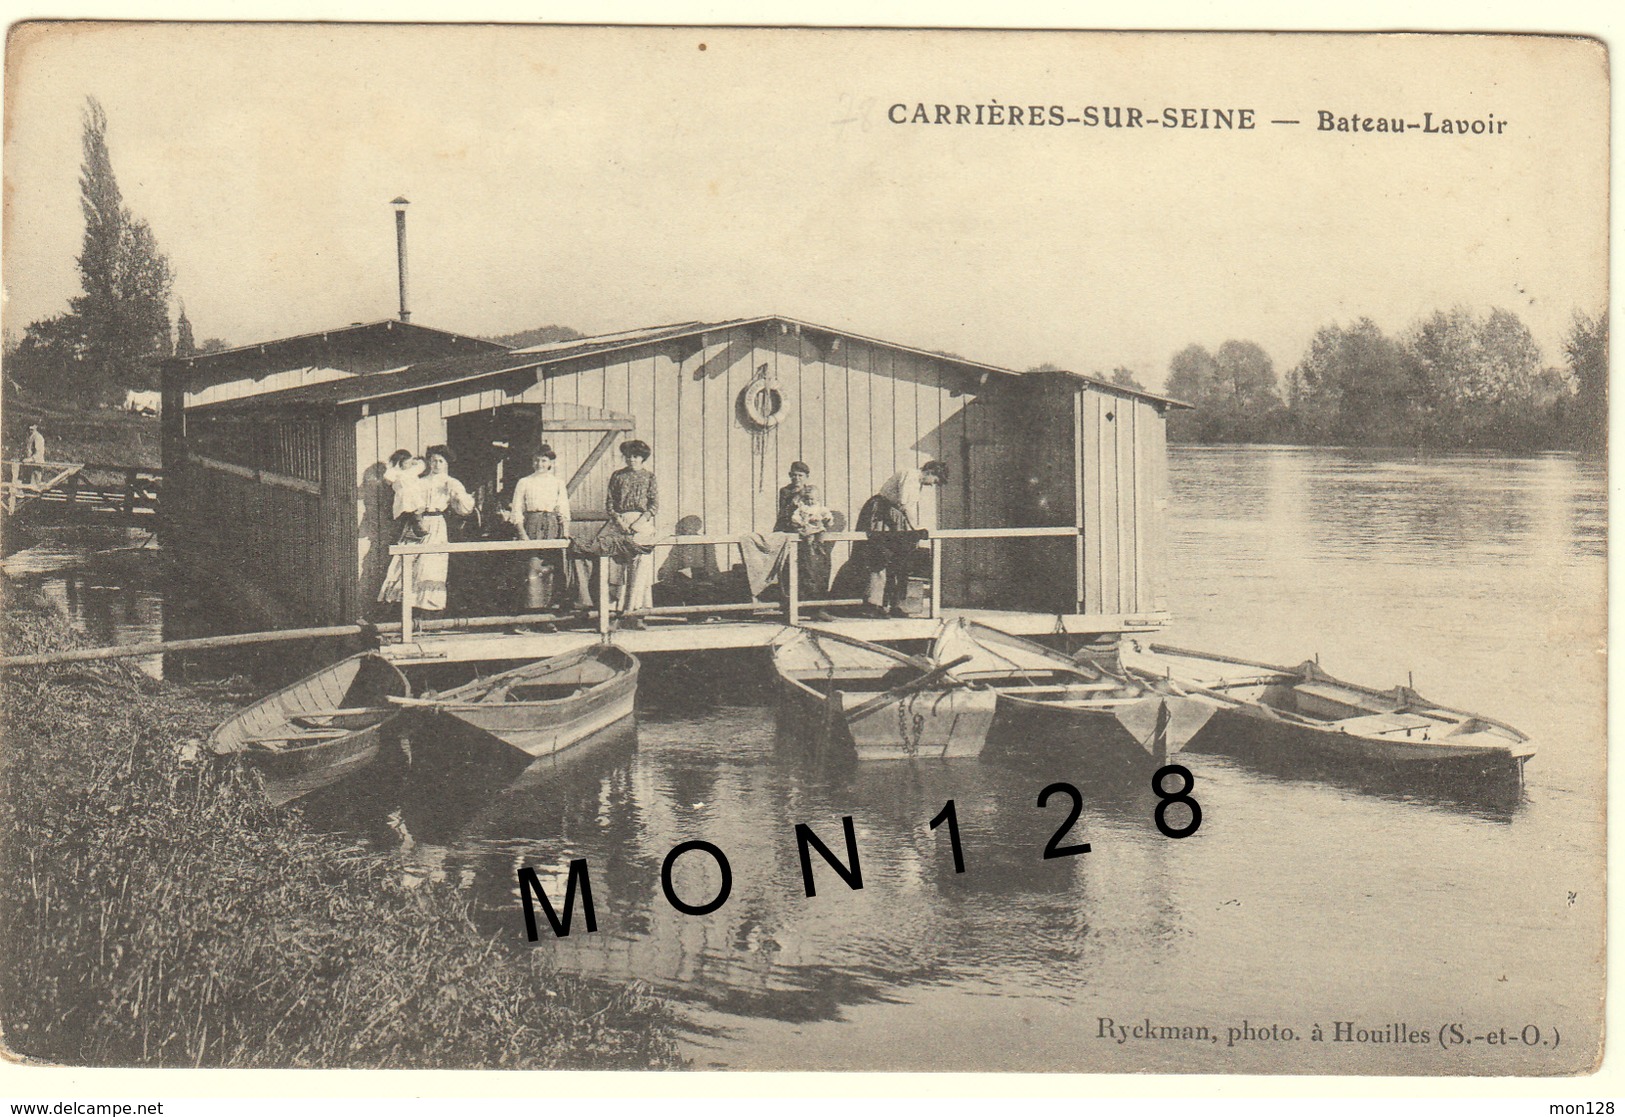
pixel 1052 519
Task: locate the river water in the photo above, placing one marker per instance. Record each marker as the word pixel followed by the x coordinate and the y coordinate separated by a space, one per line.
pixel 1299 902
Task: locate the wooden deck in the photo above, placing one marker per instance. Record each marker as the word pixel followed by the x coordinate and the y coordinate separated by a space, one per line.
pixel 659 637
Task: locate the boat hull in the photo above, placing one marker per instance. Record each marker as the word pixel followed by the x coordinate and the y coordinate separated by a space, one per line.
pixel 930 725
pixel 1253 736
pixel 1301 717
pixel 289 775
pixel 926 725
pixel 1090 737
pixel 1053 708
pixel 268 739
pixel 597 689
pixel 533 736
pixel 824 682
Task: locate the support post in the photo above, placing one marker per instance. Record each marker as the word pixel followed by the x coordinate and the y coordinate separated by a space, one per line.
pixel 1079 590
pixel 129 492
pixel 408 569
pixel 603 596
pixel 792 590
pixel 936 577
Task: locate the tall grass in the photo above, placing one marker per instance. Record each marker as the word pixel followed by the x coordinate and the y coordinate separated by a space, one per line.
pixel 155 911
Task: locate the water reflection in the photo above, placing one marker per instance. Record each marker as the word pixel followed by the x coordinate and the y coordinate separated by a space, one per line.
pixel 107 581
pixel 462 813
pixel 1303 887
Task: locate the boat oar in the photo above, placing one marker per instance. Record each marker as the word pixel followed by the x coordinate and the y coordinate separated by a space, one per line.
pixel 909 687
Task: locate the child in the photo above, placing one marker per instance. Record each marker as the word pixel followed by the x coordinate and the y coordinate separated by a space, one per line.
pixel 810 518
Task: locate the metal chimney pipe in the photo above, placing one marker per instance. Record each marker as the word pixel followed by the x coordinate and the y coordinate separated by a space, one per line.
pixel 400 205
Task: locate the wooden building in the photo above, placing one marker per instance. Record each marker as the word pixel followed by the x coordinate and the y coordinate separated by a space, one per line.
pixel 274 454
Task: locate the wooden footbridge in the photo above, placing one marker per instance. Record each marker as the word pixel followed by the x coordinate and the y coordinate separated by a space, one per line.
pixel 80 493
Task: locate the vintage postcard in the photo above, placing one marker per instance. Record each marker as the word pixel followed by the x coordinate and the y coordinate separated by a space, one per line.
pixel 727 548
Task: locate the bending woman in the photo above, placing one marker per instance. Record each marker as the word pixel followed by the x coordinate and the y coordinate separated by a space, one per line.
pixel 897 508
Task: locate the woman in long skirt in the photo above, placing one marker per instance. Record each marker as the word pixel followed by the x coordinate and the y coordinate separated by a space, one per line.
pixel 429 500
pixel 632 504
pixel 541 510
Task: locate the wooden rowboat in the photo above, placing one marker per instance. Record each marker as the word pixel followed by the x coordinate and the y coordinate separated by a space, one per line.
pixel 877 703
pixel 548 705
pixel 1049 704
pixel 1268 711
pixel 317 731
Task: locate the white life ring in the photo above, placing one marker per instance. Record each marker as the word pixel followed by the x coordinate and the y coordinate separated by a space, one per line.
pixel 763 401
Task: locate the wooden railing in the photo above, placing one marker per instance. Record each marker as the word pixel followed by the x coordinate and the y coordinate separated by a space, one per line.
pixel 16 487
pixel 73 486
pixel 790 579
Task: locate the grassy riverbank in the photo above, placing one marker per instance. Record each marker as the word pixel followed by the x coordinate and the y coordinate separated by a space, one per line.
pixel 154 911
pixel 84 434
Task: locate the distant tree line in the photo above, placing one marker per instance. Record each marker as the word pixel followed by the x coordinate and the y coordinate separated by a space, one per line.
pixel 1456 379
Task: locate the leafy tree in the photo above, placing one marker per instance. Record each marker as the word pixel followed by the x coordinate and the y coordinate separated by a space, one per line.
pixel 1244 376
pixel 1478 380
pixel 214 345
pixel 1234 391
pixel 49 358
pixel 1353 385
pixel 1191 372
pixel 1586 348
pixel 1124 378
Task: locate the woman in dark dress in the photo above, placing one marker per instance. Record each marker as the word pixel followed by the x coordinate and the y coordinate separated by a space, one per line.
pixel 632 504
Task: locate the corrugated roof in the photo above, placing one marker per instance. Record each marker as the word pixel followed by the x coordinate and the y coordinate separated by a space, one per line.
pixel 300 340
pixel 447 371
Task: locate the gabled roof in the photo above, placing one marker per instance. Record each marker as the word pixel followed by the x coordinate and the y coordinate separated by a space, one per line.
pixel 340 335
pixel 448 371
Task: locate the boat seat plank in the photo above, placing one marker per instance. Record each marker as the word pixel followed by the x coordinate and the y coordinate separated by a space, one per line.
pixel 1388 723
pixel 541 693
pixel 1343 697
pixel 307 735
pixel 1076 690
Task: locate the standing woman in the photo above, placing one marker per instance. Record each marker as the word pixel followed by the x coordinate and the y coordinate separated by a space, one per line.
pixel 404 475
pixel 632 504
pixel 541 510
pixel 434 494
pixel 898 507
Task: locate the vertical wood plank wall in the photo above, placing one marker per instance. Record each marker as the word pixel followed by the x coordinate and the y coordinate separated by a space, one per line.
pixel 856 412
pixel 1124 503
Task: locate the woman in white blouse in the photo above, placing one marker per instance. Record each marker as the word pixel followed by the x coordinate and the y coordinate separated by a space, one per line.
pixel 541 510
pixel 427 501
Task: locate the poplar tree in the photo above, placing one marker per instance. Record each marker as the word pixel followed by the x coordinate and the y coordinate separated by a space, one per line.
pixel 122 317
pixel 185 346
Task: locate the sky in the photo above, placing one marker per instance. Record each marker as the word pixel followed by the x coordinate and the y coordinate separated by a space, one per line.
pixel 608 178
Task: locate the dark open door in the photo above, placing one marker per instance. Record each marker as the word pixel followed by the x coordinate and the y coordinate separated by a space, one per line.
pixel 494 449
